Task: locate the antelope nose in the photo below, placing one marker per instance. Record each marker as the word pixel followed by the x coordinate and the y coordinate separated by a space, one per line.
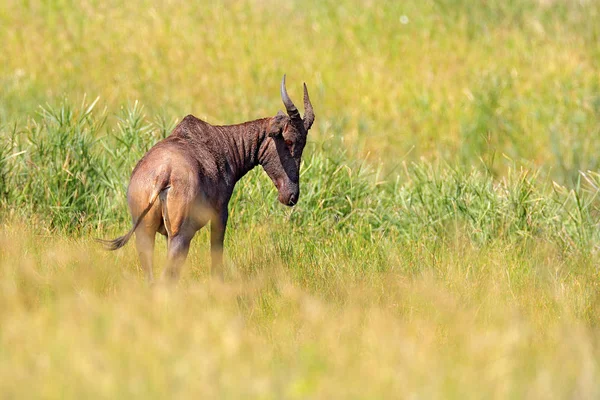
pixel 293 199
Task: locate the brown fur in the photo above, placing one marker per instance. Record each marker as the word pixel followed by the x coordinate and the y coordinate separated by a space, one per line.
pixel 187 179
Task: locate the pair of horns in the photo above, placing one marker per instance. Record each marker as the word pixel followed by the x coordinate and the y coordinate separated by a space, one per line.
pixel 309 115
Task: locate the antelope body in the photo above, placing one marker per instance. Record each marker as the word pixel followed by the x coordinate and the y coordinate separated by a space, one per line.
pixel 186 180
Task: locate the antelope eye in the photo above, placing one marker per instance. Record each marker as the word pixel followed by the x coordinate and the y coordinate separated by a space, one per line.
pixel 289 142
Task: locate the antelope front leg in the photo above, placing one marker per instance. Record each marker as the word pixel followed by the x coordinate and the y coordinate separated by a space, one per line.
pixel 217 236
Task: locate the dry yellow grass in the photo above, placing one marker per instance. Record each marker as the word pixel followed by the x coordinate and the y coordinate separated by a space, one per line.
pixel 465 323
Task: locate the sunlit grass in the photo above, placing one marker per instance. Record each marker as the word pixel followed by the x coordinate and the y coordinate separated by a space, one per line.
pixel 447 237
pixel 451 321
pixel 64 175
pixel 398 80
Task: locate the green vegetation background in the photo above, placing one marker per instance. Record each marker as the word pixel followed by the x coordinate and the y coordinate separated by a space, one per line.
pixel 445 244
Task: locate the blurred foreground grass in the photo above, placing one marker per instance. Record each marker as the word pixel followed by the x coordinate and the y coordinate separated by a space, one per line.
pixel 452 321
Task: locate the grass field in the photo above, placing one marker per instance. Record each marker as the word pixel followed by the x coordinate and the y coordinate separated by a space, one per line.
pixel 447 239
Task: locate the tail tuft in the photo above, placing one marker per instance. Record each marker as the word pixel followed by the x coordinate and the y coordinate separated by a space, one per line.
pixel 115 243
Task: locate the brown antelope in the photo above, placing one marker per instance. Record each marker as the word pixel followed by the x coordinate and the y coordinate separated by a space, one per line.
pixel 186 180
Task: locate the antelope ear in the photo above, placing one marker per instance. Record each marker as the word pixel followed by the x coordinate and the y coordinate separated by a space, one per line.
pixel 277 124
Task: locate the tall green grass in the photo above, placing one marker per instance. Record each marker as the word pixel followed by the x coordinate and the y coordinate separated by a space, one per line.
pixel 69 173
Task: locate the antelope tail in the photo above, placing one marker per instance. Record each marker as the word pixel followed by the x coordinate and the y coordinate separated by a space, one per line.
pixel 122 240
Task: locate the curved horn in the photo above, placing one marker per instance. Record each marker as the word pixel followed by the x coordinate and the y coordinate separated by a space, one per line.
pixel 309 115
pixel 289 105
